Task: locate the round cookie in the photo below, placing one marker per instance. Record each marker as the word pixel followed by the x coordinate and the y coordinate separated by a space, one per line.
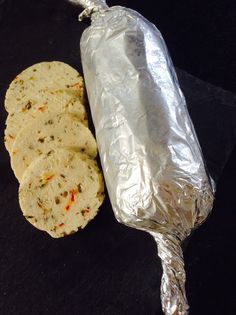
pixel 54 101
pixel 48 132
pixel 61 192
pixel 43 76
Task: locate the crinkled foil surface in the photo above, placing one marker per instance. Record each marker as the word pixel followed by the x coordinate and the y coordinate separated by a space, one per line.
pixel 151 158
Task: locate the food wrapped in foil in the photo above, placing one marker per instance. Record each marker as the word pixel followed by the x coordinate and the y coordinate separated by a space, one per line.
pixel 152 161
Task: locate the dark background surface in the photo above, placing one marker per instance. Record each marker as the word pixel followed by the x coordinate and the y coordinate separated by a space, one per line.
pixel 109 269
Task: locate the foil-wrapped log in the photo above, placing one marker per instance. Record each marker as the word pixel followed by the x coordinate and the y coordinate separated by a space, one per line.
pixel 151 159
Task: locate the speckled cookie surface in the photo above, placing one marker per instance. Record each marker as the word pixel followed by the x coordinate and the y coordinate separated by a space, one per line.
pixel 43 76
pixel 47 132
pixel 61 192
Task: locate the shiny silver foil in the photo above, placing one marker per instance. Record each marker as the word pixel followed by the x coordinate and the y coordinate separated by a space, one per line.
pixel 151 158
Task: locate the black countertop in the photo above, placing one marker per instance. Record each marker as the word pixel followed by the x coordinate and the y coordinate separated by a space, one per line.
pixel 109 269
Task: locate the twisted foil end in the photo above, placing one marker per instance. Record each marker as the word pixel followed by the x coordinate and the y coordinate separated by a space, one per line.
pixel 173 296
pixel 90 7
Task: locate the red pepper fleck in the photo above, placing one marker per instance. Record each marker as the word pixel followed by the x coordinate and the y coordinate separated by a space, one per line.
pixel 11 137
pixel 61 224
pixel 77 85
pixel 41 108
pixel 49 177
pixel 72 196
pixel 71 200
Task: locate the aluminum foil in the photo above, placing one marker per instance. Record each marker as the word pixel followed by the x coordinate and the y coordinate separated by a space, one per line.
pixel 152 161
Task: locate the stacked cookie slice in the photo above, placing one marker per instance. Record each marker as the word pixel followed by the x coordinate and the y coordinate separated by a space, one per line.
pixel 51 148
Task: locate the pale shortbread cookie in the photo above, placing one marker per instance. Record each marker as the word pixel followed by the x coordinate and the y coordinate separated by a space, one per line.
pixel 47 132
pixel 61 192
pixel 31 107
pixel 41 77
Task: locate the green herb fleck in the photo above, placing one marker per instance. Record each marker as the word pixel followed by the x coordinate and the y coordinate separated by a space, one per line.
pixel 64 194
pixel 27 106
pixel 57 200
pixel 41 140
pixel 79 188
pixel 29 217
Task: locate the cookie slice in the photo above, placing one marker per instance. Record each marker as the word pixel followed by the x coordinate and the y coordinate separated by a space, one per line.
pixel 41 77
pixel 33 106
pixel 60 193
pixel 47 132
